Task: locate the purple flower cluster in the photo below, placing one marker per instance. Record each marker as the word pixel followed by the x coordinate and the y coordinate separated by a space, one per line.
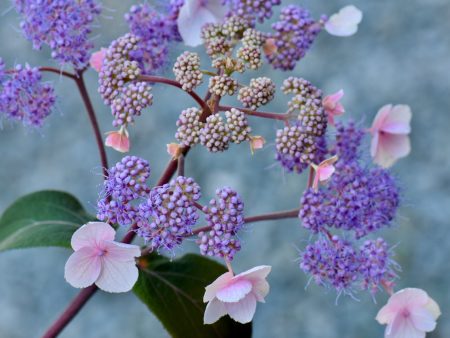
pixel 348 140
pixel 356 199
pixel 252 10
pixel 225 216
pixel 334 262
pixel 155 31
pixel 63 25
pixel 124 186
pixel 297 149
pixel 294 34
pixel 24 97
pixel 169 213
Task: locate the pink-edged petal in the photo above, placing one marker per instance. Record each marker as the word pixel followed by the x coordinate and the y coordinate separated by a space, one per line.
pixel 118 141
pixel 345 22
pixel 408 297
pixel 96 60
pixel 211 289
pixel 386 314
pixel 234 291
pixel 396 128
pixel 119 272
pixel 403 328
pixel 374 144
pixel 256 273
pixel 380 117
pixel 192 17
pixel 214 311
pixel 390 148
pixel 244 310
pixel 83 267
pixel 433 307
pixel 260 289
pixel 92 234
pixel 400 113
pixel 325 172
pixel 422 319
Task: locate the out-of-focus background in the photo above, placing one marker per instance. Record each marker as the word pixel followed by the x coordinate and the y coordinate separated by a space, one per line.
pixel 401 54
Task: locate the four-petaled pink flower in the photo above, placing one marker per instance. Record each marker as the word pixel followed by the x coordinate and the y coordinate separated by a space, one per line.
pixel 333 106
pixel 323 171
pixel 98 259
pixel 409 313
pixel 118 140
pixel 96 60
pixel 236 295
pixel 390 129
pixel 194 14
pixel 345 22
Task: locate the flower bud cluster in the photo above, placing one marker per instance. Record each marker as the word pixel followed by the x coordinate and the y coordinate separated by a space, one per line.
pixel 215 134
pixel 225 216
pixel 24 97
pixel 187 71
pixel 260 92
pixel 252 10
pixel 238 126
pixel 125 184
pixel 64 26
pixel 189 127
pixel 222 85
pixel 169 213
pixel 294 34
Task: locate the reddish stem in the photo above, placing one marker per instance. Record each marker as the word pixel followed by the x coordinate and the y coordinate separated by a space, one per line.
pixel 91 113
pixel 265 217
pixel 160 79
pixel 264 115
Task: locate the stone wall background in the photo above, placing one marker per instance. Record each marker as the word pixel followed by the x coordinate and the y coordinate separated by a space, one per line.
pixel 400 55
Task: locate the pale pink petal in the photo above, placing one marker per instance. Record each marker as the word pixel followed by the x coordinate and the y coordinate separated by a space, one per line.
pixel 374 144
pixel 118 141
pixel 96 60
pixel 433 307
pixel 256 273
pixel 390 148
pixel 244 310
pixel 380 117
pixel 422 319
pixel 403 328
pixel 193 16
pixel 387 314
pixel 217 9
pixel 398 120
pixel 92 235
pixel 325 172
pixel 270 47
pixel 211 289
pixel 174 150
pixel 345 22
pixel 214 310
pixel 119 272
pixel 234 291
pixel 408 297
pixel 83 267
pixel 256 142
pixel 260 289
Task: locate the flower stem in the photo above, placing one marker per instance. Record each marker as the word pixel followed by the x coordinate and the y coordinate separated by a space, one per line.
pixel 259 218
pixel 264 115
pixel 181 165
pixel 160 79
pixel 92 117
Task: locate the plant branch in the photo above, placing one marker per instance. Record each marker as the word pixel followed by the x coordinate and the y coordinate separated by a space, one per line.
pixel 160 79
pixel 92 117
pixel 264 115
pixel 259 218
pixel 49 70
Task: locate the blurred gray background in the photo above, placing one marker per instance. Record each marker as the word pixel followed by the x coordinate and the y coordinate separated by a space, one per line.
pixel 401 54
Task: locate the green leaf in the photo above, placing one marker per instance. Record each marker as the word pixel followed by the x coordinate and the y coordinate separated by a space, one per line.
pixel 173 291
pixel 43 218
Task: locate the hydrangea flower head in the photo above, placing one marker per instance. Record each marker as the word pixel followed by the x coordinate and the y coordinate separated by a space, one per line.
pixel 99 259
pixel 390 130
pixel 24 97
pixel 236 295
pixel 409 313
pixel 63 25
